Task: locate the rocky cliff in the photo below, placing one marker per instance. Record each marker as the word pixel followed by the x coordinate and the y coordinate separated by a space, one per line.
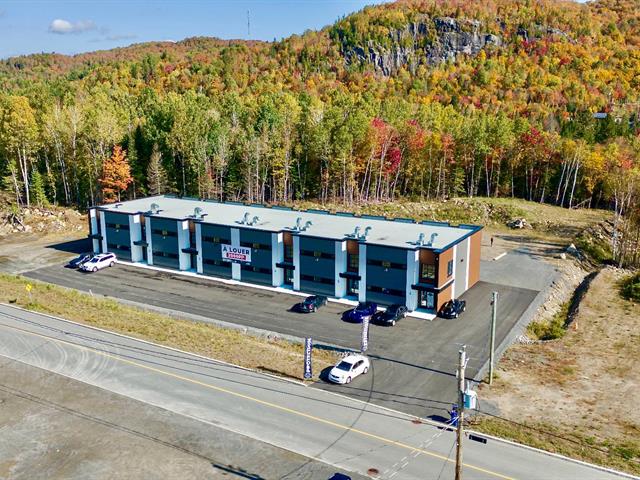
pixel 425 41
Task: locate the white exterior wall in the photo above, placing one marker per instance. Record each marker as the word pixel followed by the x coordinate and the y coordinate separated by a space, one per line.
pixel 341 266
pixel 147 228
pixel 413 271
pixel 235 242
pixel 296 262
pixel 362 271
pixel 103 229
pixel 135 234
pixel 183 242
pixel 461 268
pixel 93 225
pixel 277 256
pixel 199 247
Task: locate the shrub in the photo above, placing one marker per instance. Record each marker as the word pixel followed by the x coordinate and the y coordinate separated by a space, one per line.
pixel 631 288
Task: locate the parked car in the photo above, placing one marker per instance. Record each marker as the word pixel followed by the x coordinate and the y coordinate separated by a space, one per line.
pixel 310 304
pixel 452 309
pixel 349 368
pixel 99 261
pixel 362 310
pixel 80 260
pixel 390 316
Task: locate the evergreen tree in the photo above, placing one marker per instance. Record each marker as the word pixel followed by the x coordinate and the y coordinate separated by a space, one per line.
pixel 38 194
pixel 157 181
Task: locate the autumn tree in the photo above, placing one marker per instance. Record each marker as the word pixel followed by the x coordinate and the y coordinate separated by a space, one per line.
pixel 116 175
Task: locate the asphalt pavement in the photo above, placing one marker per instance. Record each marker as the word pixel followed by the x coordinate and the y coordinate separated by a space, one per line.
pixel 414 362
pixel 337 430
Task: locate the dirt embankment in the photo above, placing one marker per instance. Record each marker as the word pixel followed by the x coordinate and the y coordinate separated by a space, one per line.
pixel 579 387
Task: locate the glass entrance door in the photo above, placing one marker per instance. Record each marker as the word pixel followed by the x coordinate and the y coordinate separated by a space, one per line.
pixel 427 300
pixel 288 276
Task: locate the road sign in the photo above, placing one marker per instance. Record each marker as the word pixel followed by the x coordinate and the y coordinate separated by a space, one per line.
pixel 308 347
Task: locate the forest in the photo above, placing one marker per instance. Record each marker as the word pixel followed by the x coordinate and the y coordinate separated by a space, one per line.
pixel 549 111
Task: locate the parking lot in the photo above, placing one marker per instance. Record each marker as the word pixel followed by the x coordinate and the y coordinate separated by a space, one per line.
pixel 413 363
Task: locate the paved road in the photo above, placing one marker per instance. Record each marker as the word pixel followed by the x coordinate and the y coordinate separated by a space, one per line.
pixel 55 428
pixel 414 362
pixel 334 429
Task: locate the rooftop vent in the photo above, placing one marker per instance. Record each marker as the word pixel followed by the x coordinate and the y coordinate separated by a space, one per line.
pixel 155 208
pixel 198 212
pixel 432 239
pixel 245 219
pixel 420 241
pixel 298 226
pixel 307 225
pixel 255 220
pixel 366 233
pixel 356 232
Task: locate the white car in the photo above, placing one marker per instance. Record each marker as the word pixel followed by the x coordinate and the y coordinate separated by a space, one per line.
pixel 99 261
pixel 349 368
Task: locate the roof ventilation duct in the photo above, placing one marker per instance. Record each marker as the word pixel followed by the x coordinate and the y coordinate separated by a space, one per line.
pixel 432 239
pixel 298 226
pixel 155 208
pixel 420 241
pixel 366 233
pixel 245 219
pixel 255 220
pixel 307 225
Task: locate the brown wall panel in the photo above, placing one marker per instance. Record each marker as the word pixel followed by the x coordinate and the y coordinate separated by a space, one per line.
pixel 427 257
pixel 287 238
pixel 443 259
pixel 475 245
pixel 353 248
pixel 444 296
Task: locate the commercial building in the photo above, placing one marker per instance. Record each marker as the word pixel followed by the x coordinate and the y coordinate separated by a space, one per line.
pixel 365 258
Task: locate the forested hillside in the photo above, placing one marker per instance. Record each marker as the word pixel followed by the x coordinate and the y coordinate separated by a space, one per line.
pixel 417 99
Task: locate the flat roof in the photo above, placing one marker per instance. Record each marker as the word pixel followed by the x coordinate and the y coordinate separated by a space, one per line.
pixel 403 233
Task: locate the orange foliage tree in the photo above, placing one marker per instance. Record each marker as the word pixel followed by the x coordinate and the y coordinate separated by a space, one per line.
pixel 116 175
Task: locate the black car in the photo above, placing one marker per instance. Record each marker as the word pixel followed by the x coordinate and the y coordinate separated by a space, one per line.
pixel 390 316
pixel 80 260
pixel 452 309
pixel 310 304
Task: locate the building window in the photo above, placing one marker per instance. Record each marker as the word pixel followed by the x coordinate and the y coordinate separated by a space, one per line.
pixel 206 238
pixel 386 291
pixel 164 233
pixel 353 262
pixel 113 246
pixel 217 263
pixel 450 268
pixel 165 254
pixel 317 254
pixel 386 264
pixel 288 252
pixel 427 272
pixel 251 268
pixel 316 279
pixel 255 246
pixel 117 226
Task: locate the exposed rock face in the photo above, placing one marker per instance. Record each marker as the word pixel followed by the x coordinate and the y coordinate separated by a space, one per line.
pixel 425 41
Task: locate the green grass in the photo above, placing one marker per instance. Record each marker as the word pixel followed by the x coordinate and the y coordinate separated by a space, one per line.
pixel 275 356
pixel 550 329
pixel 624 456
pixel 597 250
pixel 630 288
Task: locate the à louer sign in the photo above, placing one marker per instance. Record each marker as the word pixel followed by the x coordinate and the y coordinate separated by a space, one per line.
pixel 236 254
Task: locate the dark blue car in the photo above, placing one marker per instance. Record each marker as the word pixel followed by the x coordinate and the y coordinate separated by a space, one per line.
pixel 358 314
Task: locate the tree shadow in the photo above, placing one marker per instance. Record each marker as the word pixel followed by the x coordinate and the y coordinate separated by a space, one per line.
pixel 238 472
pixel 74 246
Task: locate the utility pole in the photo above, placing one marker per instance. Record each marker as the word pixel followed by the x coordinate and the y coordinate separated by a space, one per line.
pixel 494 308
pixel 462 361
